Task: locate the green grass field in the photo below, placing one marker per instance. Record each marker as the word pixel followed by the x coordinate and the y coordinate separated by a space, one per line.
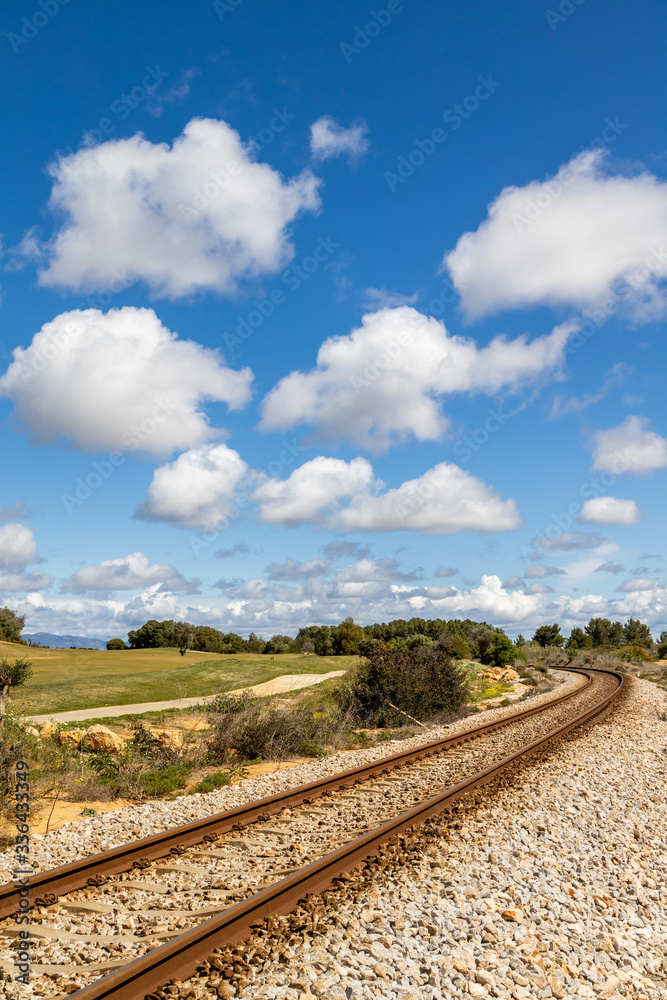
pixel 71 679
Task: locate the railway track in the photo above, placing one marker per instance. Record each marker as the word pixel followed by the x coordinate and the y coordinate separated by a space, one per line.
pixel 134 917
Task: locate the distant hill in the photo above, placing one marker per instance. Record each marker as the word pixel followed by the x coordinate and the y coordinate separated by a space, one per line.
pixel 64 641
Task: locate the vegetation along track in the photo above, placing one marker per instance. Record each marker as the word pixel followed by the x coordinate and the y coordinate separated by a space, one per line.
pixel 142 920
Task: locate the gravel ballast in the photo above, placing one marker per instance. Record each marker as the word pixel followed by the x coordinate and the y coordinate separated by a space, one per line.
pixel 522 892
pixel 552 881
pixel 115 828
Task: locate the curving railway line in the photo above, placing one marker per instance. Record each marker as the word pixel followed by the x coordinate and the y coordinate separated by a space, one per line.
pixel 123 923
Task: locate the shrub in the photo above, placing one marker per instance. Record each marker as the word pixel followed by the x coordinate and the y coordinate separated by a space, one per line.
pixel 219 779
pixel 116 644
pixel 248 728
pixel 456 647
pixel 162 780
pixel 392 683
pixel 105 765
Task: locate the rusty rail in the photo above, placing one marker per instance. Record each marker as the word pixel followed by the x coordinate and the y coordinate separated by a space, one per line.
pixel 181 957
pixel 45 887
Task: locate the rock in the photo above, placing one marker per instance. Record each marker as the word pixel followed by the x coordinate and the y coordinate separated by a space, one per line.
pixel 101 738
pixel 32 730
pixel 556 987
pixel 71 738
pixel 476 990
pixel 169 739
pixel 48 729
pixel 485 978
pixel 514 914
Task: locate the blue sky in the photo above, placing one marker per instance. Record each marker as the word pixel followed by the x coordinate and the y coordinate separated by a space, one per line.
pixel 312 313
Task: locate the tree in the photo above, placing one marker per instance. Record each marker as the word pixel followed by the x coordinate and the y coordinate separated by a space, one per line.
pixel 116 644
pixel 11 675
pixel 519 641
pixel 152 635
pixel 323 643
pixel 346 638
pixel 255 644
pixel 502 652
pixel 10 626
pixel 279 644
pixel 603 632
pixel 616 634
pixel 548 635
pixel 183 634
pixel 636 633
pixel 578 640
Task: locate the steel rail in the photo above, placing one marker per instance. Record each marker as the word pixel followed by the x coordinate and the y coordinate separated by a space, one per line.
pixel 181 957
pixel 45 887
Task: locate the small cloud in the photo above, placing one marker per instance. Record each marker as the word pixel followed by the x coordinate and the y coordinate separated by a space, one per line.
pixel 29 249
pixel 561 407
pixel 380 298
pixel 514 583
pixel 569 541
pixel 176 94
pixel 335 550
pixel 17 510
pixel 293 570
pixel 609 567
pixel 329 139
pixel 444 571
pixel 539 588
pixel 631 448
pixel 540 571
pixel 610 510
pixel 637 583
pixel 226 585
pixel 240 549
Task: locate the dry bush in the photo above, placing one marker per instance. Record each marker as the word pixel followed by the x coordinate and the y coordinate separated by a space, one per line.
pixel 246 727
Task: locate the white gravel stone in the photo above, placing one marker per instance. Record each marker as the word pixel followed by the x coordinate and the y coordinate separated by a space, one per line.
pixel 576 840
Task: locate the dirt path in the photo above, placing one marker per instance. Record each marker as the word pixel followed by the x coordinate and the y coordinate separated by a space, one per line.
pixel 279 685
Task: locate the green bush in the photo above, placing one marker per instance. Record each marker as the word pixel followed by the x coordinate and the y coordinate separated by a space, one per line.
pixel 219 779
pixel 162 780
pixel 105 765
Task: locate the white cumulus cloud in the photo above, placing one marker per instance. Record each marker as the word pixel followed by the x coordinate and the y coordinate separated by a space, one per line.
pixel 631 447
pixel 199 215
pixel 131 572
pixel 571 240
pixel 444 500
pixel 610 510
pixel 18 549
pixel 329 139
pixel 311 490
pixel 119 381
pixel 384 382
pixel 198 490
